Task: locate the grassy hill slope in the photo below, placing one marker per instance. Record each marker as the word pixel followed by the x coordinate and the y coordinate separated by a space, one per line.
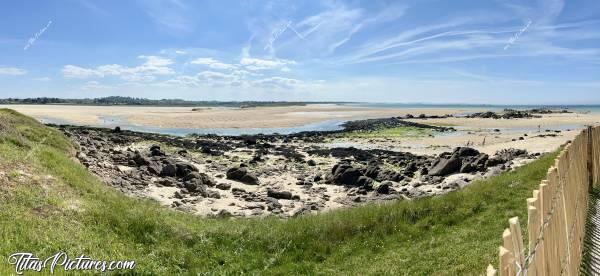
pixel 50 203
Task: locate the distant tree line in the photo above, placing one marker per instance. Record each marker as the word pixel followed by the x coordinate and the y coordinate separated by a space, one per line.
pixel 118 100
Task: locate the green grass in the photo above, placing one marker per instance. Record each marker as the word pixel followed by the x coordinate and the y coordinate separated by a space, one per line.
pixel 457 233
pixel 396 132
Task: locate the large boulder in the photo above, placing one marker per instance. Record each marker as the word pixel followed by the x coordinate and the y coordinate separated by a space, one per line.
pixel 169 170
pixel 389 176
pixel 195 186
pixel 348 176
pixel 466 151
pixel 494 161
pixel 279 194
pixel 410 169
pixel 184 168
pixel 155 151
pixel 372 171
pixel 140 160
pixel 273 204
pixel 474 164
pixel 154 168
pixel 236 173
pixel 249 179
pixel 242 175
pixel 192 175
pixel 344 174
pixel 462 159
pixel 223 186
pixel 202 177
pixel 446 166
pixel 365 182
pixel 481 159
pixel 384 187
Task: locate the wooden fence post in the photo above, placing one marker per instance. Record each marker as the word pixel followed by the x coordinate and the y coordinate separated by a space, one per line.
pixel 541 254
pixel 507 243
pixel 517 240
pixel 506 262
pixel 491 271
pixel 590 158
pixel 533 226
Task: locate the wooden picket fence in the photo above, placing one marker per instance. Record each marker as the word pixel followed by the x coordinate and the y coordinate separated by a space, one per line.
pixel 556 215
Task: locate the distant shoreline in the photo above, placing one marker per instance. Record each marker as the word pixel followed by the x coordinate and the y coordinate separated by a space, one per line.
pixel 131 102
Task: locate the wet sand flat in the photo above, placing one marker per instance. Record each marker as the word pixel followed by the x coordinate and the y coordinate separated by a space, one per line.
pixel 218 117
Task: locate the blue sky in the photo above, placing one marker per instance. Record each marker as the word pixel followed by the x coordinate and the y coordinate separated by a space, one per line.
pixel 432 51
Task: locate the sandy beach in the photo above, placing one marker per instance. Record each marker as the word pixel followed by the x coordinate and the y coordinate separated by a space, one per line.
pixel 218 117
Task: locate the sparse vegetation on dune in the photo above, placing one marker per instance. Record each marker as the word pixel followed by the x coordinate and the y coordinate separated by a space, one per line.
pixel 51 203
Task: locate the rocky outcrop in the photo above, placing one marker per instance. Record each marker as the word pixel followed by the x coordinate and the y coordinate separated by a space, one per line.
pixel 461 160
pixel 445 166
pixel 376 124
pixel 515 114
pixel 241 174
pixel 135 163
pixel 345 174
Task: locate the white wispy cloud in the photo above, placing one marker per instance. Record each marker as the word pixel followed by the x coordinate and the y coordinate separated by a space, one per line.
pixel 237 79
pixel 153 65
pixel 325 31
pixel 214 64
pixel 278 83
pixel 171 15
pixel 388 13
pixel 211 79
pixel 12 71
pixel 247 63
pixel 466 38
pixel 411 37
pixel 264 64
pixel 276 32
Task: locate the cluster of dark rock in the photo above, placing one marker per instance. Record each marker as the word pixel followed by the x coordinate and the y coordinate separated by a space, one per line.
pixel 363 179
pixel 468 160
pixel 137 168
pixel 431 169
pixel 507 114
pixel 365 174
pixel 131 171
pixel 549 111
pixel 425 116
pixel 377 124
pixel 516 114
